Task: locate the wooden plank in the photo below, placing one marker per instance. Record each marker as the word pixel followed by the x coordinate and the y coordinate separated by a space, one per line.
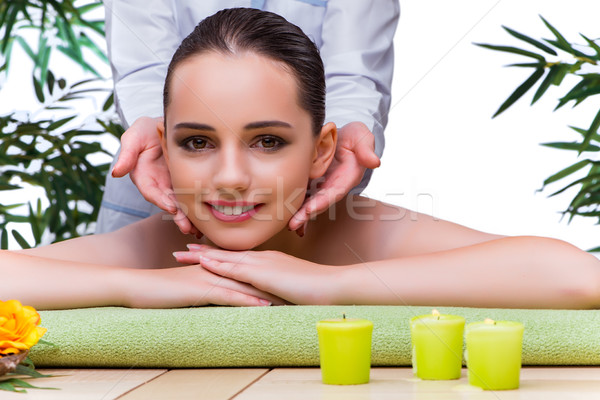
pixel 206 384
pixel 84 384
pixel 398 383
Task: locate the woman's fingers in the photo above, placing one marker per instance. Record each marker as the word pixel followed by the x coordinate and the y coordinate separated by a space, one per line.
pixel 228 297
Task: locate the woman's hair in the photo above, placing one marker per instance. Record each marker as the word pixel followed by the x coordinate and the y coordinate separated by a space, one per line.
pixel 246 29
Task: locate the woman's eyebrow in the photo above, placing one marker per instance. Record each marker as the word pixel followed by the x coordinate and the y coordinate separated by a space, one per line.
pixel 195 125
pixel 267 124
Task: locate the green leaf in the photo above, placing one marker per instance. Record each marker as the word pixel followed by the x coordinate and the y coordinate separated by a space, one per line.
pixel 50 82
pixel 25 46
pixel 531 41
pixel 593 45
pixel 567 47
pixel 563 70
pixel 57 124
pixel 570 146
pixel 583 132
pixel 567 171
pixel 560 38
pixel 545 83
pixel 109 102
pixel 591 131
pixel 527 65
pixel 62 83
pixel 35 229
pixel 514 50
pixel 3 239
pixel 594 250
pixel 39 92
pixel 520 91
pixel 566 98
pixel 10 21
pixel 25 370
pixel 22 242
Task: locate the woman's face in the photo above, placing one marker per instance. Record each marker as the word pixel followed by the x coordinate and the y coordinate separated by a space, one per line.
pixel 239 147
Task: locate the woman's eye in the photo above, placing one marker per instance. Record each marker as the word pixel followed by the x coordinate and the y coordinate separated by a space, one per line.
pixel 269 143
pixel 196 143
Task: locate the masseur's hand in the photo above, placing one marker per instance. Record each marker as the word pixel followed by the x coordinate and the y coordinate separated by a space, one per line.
pixel 353 155
pixel 141 156
pixel 292 279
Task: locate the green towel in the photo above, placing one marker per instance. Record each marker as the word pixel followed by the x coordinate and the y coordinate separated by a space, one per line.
pixel 281 336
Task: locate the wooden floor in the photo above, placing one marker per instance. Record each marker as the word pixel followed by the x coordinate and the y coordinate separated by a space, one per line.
pixel 546 383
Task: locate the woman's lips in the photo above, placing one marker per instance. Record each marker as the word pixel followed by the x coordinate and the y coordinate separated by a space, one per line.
pixel 233 213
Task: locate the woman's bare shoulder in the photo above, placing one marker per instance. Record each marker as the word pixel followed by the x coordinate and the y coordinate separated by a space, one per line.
pixel 144 244
pixel 374 230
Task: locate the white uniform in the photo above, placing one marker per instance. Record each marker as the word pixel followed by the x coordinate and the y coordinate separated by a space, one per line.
pixel 354 38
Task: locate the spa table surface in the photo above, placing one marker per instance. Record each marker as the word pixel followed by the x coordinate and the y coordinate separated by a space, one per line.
pixel 547 383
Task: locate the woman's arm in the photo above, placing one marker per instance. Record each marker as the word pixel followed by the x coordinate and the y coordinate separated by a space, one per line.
pixel 512 272
pixel 123 268
pixel 515 272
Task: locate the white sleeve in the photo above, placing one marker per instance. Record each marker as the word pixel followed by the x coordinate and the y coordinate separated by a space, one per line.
pixel 141 37
pixel 358 54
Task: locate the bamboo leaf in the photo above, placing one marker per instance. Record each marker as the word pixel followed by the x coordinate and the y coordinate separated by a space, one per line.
pixel 22 242
pixel 39 92
pixel 567 171
pixel 26 48
pixel 10 21
pixel 59 123
pixel 593 45
pixel 109 102
pixel 591 131
pixel 560 38
pixel 51 81
pixel 570 146
pixel 545 83
pixel 563 70
pixel 520 91
pixel 35 228
pixel 515 50
pixel 531 41
pixel 4 239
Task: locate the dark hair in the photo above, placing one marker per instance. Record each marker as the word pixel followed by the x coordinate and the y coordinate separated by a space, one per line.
pixel 265 33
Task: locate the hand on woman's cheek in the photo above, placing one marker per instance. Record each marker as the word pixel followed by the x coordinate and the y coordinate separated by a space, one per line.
pixel 292 279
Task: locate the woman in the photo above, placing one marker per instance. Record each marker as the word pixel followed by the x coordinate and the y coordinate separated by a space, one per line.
pixel 243 138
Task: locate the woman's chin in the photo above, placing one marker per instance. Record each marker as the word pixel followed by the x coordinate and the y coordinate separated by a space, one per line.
pixel 231 242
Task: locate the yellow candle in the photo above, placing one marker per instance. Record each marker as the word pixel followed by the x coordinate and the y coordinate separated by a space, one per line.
pixel 345 350
pixel 437 344
pixel 494 354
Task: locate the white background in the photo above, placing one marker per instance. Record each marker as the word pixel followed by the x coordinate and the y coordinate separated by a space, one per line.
pixel 445 155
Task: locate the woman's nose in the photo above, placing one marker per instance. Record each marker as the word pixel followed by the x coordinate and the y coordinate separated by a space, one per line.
pixel 232 171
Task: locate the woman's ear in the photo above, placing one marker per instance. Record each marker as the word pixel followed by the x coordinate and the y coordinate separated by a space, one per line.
pixel 325 146
pixel 162 136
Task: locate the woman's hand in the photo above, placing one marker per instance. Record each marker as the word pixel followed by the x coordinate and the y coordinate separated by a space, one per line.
pixel 190 286
pixel 354 153
pixel 141 156
pixel 292 279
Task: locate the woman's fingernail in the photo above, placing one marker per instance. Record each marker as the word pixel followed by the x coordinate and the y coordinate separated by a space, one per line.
pixel 203 259
pixel 193 246
pixel 177 254
pixel 264 302
pixel 304 228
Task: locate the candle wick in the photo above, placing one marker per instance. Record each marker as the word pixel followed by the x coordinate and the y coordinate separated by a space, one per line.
pixel 344 315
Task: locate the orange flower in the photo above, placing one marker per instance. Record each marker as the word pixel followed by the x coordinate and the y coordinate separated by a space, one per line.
pixel 19 328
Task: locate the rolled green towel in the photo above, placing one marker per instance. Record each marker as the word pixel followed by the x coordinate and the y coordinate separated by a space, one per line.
pixel 281 336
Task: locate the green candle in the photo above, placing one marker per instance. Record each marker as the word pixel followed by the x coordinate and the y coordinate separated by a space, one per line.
pixel 345 350
pixel 437 343
pixel 494 354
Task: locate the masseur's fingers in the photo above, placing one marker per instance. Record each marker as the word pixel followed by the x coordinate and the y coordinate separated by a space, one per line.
pixel 354 153
pixel 141 156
